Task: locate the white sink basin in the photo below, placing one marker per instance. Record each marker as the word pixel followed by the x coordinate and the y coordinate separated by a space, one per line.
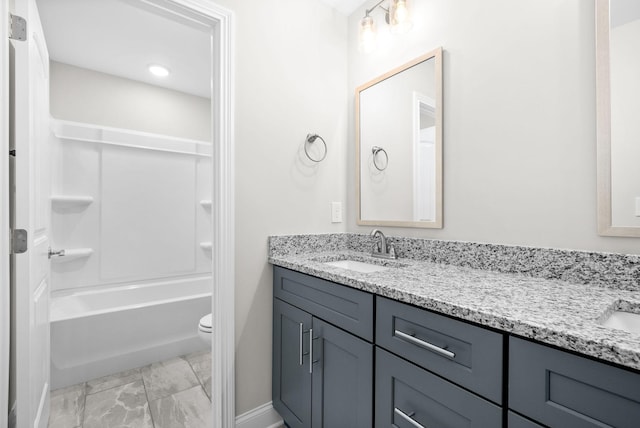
pixel 357 266
pixel 626 321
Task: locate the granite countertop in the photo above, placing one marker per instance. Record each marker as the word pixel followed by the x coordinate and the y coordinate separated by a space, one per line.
pixel 556 312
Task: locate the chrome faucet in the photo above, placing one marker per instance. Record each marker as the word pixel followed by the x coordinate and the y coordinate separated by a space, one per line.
pixel 381 249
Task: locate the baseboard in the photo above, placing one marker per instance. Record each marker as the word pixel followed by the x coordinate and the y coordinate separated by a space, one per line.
pixel 12 416
pixel 264 416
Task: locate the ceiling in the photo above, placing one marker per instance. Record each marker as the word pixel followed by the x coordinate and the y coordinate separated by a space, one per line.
pixel 123 37
pixel 346 7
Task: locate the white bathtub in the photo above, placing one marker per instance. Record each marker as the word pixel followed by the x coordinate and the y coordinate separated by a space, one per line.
pixel 100 332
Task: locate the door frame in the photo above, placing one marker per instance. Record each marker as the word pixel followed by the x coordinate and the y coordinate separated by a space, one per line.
pixel 223 252
pixel 223 206
pixel 5 318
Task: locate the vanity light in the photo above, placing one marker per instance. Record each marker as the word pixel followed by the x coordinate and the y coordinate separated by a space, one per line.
pixel 158 70
pixel 397 15
pixel 367 34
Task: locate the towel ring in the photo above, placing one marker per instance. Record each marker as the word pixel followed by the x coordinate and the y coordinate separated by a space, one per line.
pixel 311 138
pixel 375 150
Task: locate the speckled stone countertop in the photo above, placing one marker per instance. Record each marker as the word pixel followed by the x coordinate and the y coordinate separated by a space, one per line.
pixel 564 313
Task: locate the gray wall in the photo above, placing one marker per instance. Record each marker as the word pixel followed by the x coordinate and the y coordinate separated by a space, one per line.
pixel 290 80
pixel 82 95
pixel 519 119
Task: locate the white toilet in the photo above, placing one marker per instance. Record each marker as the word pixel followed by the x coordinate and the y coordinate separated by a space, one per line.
pixel 204 328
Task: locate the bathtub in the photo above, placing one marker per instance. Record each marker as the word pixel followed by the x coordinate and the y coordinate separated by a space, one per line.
pixel 99 332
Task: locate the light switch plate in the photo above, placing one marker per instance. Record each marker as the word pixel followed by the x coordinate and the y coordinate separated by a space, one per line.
pixel 638 206
pixel 336 212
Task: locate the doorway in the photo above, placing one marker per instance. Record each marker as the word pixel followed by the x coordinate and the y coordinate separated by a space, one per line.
pixel 219 23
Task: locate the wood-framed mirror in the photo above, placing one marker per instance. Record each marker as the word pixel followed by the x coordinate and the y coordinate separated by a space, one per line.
pixel 618 102
pixel 399 146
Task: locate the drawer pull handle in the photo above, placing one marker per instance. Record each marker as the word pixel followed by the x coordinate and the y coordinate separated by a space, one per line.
pixel 408 417
pixel 424 344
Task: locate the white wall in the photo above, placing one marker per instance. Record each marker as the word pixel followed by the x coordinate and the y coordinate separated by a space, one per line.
pixel 625 126
pixel 290 77
pixel 89 96
pixel 519 119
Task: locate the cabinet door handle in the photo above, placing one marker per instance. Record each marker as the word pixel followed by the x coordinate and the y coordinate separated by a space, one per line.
pixel 301 325
pixel 423 344
pixel 310 351
pixel 408 418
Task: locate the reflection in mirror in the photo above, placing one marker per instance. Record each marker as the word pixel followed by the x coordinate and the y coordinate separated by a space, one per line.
pixel 618 80
pixel 399 146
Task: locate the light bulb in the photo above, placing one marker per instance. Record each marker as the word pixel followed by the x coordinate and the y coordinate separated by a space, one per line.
pixel 399 16
pixel 367 34
pixel 158 70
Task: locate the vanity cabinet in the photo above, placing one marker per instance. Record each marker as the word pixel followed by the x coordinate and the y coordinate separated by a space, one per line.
pixel 559 389
pixel 441 353
pixel 409 396
pixel 322 374
pixel 429 371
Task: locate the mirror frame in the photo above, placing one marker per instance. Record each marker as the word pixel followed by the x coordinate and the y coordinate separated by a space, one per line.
pixel 437 223
pixel 603 121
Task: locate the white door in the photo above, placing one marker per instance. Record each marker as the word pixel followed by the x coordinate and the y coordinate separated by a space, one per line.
pixel 30 270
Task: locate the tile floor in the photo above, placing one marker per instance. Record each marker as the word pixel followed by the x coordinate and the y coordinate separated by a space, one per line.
pixel 170 394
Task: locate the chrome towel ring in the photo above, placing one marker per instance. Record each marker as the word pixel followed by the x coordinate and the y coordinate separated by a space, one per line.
pixel 375 150
pixel 311 138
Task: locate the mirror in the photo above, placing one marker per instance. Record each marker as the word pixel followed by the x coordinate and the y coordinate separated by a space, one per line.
pixel 399 146
pixel 618 103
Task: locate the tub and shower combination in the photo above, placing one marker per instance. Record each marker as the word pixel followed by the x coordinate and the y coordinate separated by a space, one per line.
pixel 135 277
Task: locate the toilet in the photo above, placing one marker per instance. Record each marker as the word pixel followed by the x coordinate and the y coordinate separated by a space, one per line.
pixel 204 328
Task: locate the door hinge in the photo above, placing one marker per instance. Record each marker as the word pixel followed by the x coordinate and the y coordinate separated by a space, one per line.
pixel 12 153
pixel 17 27
pixel 19 241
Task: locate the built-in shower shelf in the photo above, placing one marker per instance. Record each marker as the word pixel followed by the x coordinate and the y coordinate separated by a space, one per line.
pixel 206 246
pixel 72 254
pixel 206 203
pixel 63 201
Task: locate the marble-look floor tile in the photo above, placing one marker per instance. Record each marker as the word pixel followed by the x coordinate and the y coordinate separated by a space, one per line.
pixel 186 409
pixel 124 406
pixel 113 380
pixel 168 377
pixel 201 364
pixel 67 407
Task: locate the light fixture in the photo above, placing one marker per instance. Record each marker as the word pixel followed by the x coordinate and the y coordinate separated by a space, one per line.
pixel 397 15
pixel 158 70
pixel 367 34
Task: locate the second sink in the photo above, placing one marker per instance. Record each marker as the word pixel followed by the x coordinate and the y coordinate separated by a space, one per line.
pixel 626 321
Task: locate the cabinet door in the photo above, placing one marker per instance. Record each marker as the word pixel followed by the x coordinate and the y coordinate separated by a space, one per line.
pixel 408 396
pixel 562 390
pixel 291 378
pixel 342 379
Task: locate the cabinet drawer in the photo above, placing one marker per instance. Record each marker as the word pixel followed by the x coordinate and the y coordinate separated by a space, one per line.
pixel 517 421
pixel 345 307
pixel 560 389
pixel 408 396
pixel 465 354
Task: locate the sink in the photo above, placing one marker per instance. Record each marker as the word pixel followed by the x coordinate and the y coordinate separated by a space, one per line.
pixel 357 266
pixel 626 321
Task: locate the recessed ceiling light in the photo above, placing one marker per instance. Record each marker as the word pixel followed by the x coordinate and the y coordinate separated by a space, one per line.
pixel 158 70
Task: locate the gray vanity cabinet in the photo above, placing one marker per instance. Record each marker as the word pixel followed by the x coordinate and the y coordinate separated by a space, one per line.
pixel 562 390
pixel 291 379
pixel 408 396
pixel 322 374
